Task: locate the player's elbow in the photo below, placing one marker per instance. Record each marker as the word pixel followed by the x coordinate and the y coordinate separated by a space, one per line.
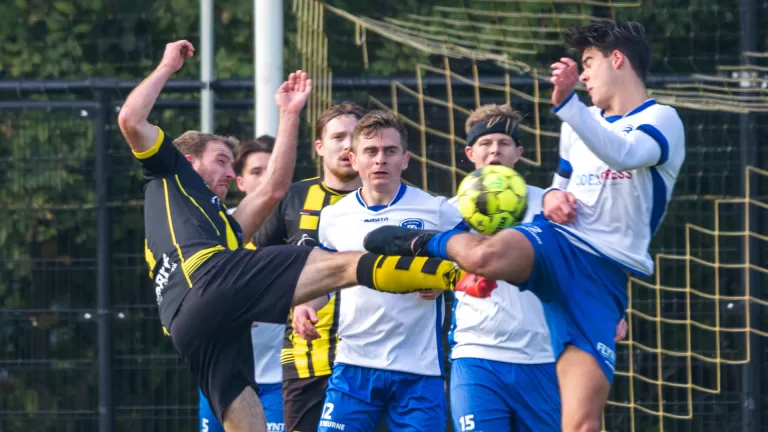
pixel 128 120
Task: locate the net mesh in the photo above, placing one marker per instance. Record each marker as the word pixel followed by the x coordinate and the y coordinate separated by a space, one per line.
pixel 691 330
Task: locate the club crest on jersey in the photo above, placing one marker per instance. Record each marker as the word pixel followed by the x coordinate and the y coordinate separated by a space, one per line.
pixel 412 224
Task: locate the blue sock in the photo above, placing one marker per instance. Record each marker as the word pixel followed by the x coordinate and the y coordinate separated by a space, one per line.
pixel 436 246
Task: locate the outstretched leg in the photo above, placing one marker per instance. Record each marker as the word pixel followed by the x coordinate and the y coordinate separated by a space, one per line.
pixel 507 255
pixel 326 272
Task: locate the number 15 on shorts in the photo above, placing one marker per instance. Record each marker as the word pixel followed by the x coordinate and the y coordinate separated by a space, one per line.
pixel 467 422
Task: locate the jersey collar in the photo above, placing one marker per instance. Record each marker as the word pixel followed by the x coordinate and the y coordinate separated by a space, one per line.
pixel 398 197
pixel 642 107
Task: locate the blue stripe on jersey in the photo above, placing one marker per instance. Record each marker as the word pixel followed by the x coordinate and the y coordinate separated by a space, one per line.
pixel 642 107
pixel 557 108
pixel 659 137
pixel 451 340
pixel 659 201
pixel 326 248
pixel 564 169
pixel 439 303
pixel 398 197
pixel 462 226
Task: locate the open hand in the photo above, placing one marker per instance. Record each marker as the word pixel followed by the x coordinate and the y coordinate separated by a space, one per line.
pixel 293 94
pixel 304 320
pixel 560 206
pixel 175 54
pixel 565 75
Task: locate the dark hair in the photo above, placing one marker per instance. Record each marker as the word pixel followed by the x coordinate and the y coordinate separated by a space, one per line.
pixel 375 122
pixel 262 144
pixel 606 36
pixel 344 108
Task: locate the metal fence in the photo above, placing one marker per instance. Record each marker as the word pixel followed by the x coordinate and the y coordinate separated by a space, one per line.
pixel 81 347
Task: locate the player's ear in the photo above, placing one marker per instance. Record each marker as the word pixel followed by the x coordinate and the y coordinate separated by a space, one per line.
pixel 406 158
pixel 470 152
pixel 319 147
pixel 190 159
pixel 518 151
pixel 617 59
pixel 239 180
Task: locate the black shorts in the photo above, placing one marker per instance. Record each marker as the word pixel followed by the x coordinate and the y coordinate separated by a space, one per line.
pixel 303 402
pixel 212 328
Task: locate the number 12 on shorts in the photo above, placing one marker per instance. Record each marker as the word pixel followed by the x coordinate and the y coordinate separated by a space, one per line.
pixel 467 422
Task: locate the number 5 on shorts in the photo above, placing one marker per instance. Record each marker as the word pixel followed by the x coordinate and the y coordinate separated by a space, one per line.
pixel 327 410
pixel 467 422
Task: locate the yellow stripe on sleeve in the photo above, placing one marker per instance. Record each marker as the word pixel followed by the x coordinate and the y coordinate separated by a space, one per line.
pixel 150 258
pixel 154 149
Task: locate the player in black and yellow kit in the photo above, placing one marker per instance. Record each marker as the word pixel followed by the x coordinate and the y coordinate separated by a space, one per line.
pixel 307 364
pixel 209 288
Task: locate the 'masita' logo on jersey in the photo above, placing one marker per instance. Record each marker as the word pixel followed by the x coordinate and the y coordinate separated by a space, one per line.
pixel 412 224
pixel 596 179
pixel 628 128
pixel 379 219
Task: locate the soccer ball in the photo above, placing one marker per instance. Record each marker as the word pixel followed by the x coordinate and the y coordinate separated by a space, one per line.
pixel 493 198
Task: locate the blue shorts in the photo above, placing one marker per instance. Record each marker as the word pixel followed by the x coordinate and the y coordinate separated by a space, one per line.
pixel 491 395
pixel 358 397
pixel 270 397
pixel 584 295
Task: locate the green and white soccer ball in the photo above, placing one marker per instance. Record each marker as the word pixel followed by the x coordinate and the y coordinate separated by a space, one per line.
pixel 493 198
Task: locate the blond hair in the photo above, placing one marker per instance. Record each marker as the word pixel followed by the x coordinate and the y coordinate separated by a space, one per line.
pixel 493 114
pixel 194 142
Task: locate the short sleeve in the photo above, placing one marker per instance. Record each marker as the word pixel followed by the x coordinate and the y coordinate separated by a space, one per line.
pixel 272 231
pixel 324 230
pixel 163 159
pixel 449 217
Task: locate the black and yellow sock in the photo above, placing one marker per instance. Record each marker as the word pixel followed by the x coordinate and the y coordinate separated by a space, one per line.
pixel 403 274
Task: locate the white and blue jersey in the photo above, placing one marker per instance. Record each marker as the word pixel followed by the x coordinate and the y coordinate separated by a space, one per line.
pixel 622 171
pixel 503 369
pixel 389 357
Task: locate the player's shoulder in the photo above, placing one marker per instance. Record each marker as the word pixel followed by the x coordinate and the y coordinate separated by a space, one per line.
pixel 347 203
pixel 664 114
pixel 302 186
pixel 417 195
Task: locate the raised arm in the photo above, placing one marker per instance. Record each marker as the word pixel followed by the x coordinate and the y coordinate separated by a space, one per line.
pixel 643 147
pixel 254 209
pixel 140 134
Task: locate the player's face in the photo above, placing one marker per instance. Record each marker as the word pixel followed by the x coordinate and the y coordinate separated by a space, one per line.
pixel 215 167
pixel 380 159
pixel 253 172
pixel 335 147
pixel 599 76
pixel 494 149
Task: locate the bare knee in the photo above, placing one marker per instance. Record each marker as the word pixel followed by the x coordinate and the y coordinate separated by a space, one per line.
pixel 506 256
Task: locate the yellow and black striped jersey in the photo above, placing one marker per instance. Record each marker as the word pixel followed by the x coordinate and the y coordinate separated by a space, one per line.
pixel 184 223
pixel 295 221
